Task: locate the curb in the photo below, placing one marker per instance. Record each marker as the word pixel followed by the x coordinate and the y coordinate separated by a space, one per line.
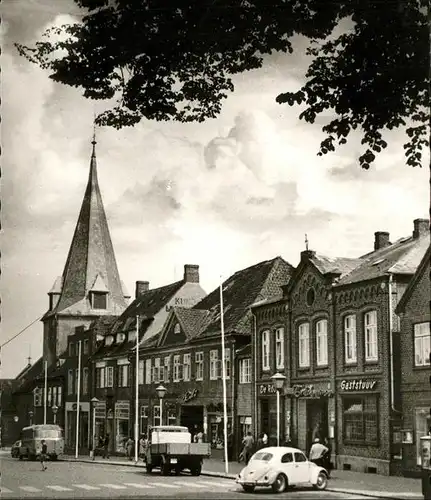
pixel 374 494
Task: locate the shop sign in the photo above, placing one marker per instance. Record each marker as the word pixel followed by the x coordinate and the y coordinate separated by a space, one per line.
pixel 189 395
pixel 357 385
pixel 309 391
pixel 266 389
pixel 122 410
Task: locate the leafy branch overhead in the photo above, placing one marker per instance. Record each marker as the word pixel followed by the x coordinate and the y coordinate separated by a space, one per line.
pixel 159 60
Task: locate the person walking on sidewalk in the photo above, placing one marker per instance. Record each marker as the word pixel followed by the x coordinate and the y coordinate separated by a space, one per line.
pixel 43 453
pixel 248 443
pixel 106 446
pixel 326 459
pixel 317 451
pixel 130 444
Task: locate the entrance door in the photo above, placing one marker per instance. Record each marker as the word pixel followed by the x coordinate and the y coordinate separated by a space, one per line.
pixel 317 421
pixel 193 418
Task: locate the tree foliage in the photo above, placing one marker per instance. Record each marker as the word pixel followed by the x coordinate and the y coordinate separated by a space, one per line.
pixel 175 60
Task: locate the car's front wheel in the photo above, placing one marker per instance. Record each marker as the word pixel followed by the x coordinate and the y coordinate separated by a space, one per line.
pixel 280 484
pixel 321 481
pixel 248 488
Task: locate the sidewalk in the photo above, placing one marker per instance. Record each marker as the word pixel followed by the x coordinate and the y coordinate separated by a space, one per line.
pixel 341 481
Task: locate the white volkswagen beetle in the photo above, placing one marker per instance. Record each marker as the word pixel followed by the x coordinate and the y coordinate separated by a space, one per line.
pixel 280 467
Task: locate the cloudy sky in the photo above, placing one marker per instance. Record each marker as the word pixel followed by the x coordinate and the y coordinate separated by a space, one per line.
pixel 224 194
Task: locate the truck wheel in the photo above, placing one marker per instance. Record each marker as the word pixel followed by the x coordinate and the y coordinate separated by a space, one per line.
pixel 149 468
pixel 196 470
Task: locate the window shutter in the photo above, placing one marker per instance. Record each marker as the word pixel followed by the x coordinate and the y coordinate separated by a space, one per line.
pixel 180 372
pixel 162 374
pixel 152 374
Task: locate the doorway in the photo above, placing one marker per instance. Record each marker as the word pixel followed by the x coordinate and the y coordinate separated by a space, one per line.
pixel 317 421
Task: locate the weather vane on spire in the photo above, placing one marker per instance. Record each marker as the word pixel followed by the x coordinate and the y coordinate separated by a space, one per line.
pixel 94 129
pixel 306 242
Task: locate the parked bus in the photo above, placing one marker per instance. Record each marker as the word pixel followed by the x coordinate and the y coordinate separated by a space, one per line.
pixel 31 441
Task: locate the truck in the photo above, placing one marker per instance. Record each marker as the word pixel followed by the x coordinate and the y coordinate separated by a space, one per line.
pixel 170 448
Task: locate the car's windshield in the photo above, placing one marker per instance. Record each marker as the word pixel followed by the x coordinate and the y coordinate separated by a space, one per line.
pixel 262 455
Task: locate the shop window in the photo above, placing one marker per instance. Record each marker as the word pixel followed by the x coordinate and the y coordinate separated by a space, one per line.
pixel 245 371
pixel 199 362
pixel 304 345
pixel 361 417
pixel 214 366
pixel 422 344
pixel 187 367
pixel 265 350
pixel 423 425
pixel 322 342
pixel 350 338
pixel 370 322
pixel 279 348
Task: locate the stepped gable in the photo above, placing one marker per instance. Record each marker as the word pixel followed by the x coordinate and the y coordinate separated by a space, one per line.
pixel 244 288
pixel 91 263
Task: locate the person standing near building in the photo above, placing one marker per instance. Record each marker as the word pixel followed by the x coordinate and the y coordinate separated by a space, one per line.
pixel 130 444
pixel 248 443
pixel 326 460
pixel 264 439
pixel 317 451
pixel 106 446
pixel 43 453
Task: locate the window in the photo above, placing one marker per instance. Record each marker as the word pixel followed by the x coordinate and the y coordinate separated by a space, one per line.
pixel 279 348
pixel 187 366
pixel 360 415
pixel 172 418
pixel 49 398
pixel 59 395
pixel 265 350
pixel 300 457
pixel 156 370
pixel 37 396
pixel 123 375
pixel 109 376
pixel 371 336
pixel 199 360
pixel 148 371
pixel 71 349
pixel 144 419
pixel 287 458
pixel 304 345
pixel 422 426
pixel 86 343
pixel 99 300
pixel 322 342
pixel 177 328
pixel 311 296
pixel 141 372
pixel 422 344
pixel 156 416
pixel 245 371
pixel 167 364
pixel 76 381
pixel 227 362
pixel 350 338
pixel 70 382
pixel 177 368
pixel 100 377
pixel 85 381
pixel 214 364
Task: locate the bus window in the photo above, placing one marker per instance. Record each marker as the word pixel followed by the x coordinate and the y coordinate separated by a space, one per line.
pixel 48 434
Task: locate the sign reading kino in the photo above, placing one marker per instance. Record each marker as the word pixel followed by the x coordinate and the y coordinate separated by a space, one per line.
pixel 357 385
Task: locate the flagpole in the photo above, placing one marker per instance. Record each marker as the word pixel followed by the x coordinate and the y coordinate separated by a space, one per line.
pixel 137 391
pixel 78 397
pixel 45 392
pixel 223 367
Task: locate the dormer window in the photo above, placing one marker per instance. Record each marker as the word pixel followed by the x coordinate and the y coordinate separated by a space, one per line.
pixel 99 300
pixel 177 329
pixel 109 339
pixel 121 337
pixel 131 336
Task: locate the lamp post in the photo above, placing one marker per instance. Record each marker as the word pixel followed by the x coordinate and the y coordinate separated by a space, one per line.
pixel 30 414
pixel 161 391
pixel 94 402
pixel 54 409
pixel 278 381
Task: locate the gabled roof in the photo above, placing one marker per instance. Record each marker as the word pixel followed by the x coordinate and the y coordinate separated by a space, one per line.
pixel 25 380
pixel 192 322
pixel 240 291
pixel 334 265
pixel 424 267
pixel 401 257
pixel 91 254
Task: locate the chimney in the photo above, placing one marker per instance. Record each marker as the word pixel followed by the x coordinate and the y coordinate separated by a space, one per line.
pixel 141 287
pixel 191 273
pixel 381 240
pixel 421 227
pixel 307 254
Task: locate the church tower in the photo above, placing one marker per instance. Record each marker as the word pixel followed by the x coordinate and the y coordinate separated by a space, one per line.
pixel 90 285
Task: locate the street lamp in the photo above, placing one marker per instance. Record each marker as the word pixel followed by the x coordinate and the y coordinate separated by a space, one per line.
pixel 54 409
pixel 15 418
pixel 278 381
pixel 30 414
pixel 161 391
pixel 94 402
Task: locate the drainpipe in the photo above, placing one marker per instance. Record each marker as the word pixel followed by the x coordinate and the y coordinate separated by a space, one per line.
pixel 255 373
pixel 233 392
pixel 391 345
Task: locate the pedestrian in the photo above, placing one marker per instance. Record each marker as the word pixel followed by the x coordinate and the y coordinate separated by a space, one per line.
pixel 43 453
pixel 248 443
pixel 317 451
pixel 264 439
pixel 327 457
pixel 230 439
pixel 142 447
pixel 129 448
pixel 260 444
pixel 106 446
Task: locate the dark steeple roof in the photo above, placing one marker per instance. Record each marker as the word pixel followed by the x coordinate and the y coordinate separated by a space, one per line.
pixel 91 260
